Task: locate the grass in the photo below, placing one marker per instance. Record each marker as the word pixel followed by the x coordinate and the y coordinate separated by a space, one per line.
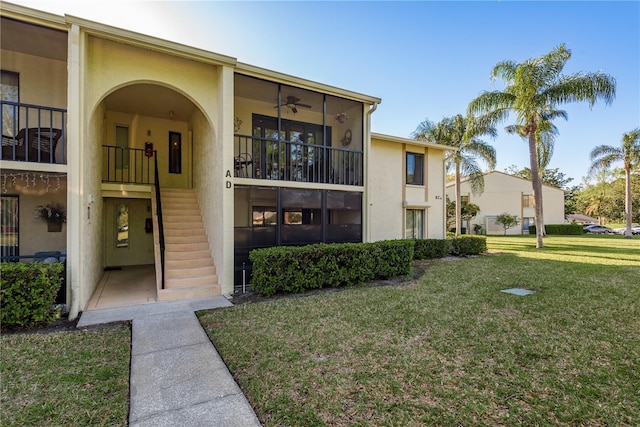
pixel 76 378
pixel 450 348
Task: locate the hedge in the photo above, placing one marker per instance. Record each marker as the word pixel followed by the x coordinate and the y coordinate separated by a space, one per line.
pixel 28 292
pixel 302 268
pixel 431 248
pixel 562 229
pixel 468 245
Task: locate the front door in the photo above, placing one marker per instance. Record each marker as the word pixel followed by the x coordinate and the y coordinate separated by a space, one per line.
pixel 128 240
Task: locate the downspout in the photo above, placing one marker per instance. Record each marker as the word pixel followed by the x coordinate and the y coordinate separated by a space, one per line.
pixel 373 108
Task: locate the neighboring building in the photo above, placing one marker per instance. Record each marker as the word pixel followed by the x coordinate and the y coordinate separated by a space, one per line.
pixel 504 193
pixel 106 121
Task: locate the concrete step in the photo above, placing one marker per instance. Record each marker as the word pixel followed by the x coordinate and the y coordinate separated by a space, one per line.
pixel 186 247
pixel 184 232
pixel 189 272
pixel 182 225
pixel 171 240
pixel 190 282
pixel 166 219
pixel 188 263
pixel 182 255
pixel 181 211
pixel 187 293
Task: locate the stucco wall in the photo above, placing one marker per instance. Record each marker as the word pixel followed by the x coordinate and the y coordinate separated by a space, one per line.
pixel 385 190
pixel 150 129
pixel 503 193
pixel 91 208
pixel 43 81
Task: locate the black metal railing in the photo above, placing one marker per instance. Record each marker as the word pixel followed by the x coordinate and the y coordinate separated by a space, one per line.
pixel 127 165
pixel 261 158
pixel 33 133
pixel 159 213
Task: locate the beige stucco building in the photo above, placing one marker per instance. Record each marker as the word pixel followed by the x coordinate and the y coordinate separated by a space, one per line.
pixel 185 160
pixel 504 193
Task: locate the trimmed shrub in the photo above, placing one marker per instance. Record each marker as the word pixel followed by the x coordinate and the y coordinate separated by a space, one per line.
pixel 297 269
pixel 430 248
pixel 468 245
pixel 28 292
pixel 559 229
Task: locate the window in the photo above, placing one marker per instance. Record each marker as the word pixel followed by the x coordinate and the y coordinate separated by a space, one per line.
pixel 527 201
pixel 122 226
pixel 175 152
pixel 9 91
pixel 264 216
pixel 414 226
pixel 9 239
pixel 415 169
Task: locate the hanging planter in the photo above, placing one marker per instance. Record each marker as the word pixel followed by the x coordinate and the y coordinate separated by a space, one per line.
pixel 54 214
pixel 54 227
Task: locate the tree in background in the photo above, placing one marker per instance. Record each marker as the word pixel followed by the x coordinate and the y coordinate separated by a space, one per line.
pixel 534 90
pixel 507 221
pixel 463 134
pixel 552 177
pixel 469 211
pixel 603 156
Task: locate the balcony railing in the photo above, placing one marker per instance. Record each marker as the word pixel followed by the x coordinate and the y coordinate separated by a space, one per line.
pixel 33 133
pixel 261 158
pixel 127 165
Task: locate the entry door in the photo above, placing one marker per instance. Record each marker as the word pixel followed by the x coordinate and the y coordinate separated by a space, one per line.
pixel 127 240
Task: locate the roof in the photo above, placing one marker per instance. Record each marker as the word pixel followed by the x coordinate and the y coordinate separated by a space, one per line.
pixel 157 44
pixel 409 141
pixel 451 183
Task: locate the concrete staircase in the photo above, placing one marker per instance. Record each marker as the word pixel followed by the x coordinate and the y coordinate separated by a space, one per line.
pixel 189 268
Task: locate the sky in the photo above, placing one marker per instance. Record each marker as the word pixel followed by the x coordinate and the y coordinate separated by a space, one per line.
pixel 424 59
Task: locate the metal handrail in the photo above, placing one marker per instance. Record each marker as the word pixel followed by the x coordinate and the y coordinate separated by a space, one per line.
pixel 126 165
pixel 159 213
pixel 33 133
pixel 268 159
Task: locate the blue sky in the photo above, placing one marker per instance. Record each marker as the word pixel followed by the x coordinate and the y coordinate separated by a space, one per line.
pixel 424 59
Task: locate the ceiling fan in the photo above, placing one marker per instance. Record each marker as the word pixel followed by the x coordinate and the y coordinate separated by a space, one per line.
pixel 293 103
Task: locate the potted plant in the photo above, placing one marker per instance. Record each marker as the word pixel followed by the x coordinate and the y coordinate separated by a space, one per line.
pixel 54 214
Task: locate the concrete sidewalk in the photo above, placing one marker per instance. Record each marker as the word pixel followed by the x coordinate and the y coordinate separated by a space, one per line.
pixel 177 376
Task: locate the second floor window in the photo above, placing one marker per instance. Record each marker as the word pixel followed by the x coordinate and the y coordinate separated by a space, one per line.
pixel 415 169
pixel 527 201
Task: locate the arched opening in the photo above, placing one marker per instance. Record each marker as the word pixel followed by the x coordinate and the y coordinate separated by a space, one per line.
pixel 135 131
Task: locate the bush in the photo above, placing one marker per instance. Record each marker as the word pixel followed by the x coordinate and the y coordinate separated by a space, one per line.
pixel 559 229
pixel 302 268
pixel 468 245
pixel 430 248
pixel 28 292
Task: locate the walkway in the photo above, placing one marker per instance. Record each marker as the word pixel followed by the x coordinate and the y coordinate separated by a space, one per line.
pixel 177 376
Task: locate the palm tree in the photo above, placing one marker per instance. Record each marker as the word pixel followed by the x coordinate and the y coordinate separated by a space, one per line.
pixel 461 133
pixel 629 153
pixel 534 90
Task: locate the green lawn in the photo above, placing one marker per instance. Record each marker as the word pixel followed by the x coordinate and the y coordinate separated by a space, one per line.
pixel 77 378
pixel 450 348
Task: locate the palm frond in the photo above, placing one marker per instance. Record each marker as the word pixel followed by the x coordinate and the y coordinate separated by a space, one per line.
pixel 504 70
pixel 579 87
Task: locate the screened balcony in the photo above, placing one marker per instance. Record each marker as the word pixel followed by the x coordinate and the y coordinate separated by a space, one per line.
pixel 285 133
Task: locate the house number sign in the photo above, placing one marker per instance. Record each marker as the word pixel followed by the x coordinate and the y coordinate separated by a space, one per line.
pixel 228 182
